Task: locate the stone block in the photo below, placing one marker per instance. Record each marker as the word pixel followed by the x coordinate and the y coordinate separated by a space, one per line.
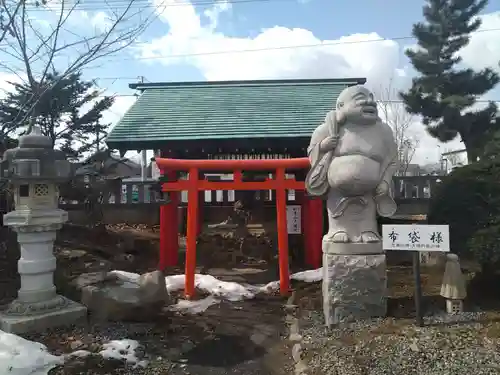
pixel 109 298
pixel 354 287
pixel 24 317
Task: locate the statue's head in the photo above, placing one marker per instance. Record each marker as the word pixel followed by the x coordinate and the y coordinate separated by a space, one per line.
pixel 356 104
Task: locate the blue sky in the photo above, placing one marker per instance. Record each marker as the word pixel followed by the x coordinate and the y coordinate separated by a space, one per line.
pixel 326 19
pixel 347 39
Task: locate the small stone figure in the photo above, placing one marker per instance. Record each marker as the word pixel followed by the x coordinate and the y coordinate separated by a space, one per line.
pixel 453 287
pixel 353 158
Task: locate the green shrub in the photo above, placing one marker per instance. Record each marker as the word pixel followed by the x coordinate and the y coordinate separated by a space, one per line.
pixel 468 200
pixel 485 247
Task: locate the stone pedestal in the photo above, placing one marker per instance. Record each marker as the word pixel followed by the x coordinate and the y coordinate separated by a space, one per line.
pixel 37 306
pixel 354 285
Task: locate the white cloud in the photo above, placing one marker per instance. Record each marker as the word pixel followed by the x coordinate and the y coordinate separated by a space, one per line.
pixel 213 13
pixel 354 57
pixel 74 16
pixel 349 56
pixel 118 109
pixel 6 80
pixel 181 18
pixel 100 21
pixel 484 47
pixel 430 149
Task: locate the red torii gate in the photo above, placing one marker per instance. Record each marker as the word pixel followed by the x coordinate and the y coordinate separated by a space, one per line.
pixel 312 209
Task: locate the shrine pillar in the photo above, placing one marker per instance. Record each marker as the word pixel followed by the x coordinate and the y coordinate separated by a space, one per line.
pixel 169 227
pixel 201 208
pixel 313 230
pixel 281 220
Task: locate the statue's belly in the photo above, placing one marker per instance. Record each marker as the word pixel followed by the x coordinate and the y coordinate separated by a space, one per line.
pixel 354 174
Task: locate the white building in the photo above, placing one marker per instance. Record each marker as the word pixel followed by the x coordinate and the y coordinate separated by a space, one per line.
pixel 454 159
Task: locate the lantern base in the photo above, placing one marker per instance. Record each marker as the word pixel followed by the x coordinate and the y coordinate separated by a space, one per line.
pixel 21 317
pixel 454 306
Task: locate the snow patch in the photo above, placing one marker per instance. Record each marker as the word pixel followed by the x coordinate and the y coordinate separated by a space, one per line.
pixel 194 307
pixel 122 350
pixel 19 356
pixel 309 276
pixel 218 290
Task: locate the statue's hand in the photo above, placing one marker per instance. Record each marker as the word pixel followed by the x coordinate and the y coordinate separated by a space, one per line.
pixel 329 144
pixel 382 189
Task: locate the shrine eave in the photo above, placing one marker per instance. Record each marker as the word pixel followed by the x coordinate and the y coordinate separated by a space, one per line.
pixel 185 148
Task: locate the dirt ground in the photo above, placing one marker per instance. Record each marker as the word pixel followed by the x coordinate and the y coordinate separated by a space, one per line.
pixel 230 338
pixel 248 334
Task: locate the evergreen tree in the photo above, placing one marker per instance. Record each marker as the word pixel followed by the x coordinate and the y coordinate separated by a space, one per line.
pixel 67 109
pixel 445 92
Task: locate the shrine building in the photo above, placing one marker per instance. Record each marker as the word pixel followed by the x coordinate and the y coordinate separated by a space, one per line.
pixel 266 119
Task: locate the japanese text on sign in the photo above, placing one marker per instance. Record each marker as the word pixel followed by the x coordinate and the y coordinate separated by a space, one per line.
pixel 416 237
pixel 293 219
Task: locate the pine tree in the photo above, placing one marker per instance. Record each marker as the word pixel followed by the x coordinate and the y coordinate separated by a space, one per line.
pixel 67 109
pixel 444 92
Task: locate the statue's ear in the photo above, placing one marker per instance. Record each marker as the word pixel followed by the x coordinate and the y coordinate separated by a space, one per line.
pixel 340 105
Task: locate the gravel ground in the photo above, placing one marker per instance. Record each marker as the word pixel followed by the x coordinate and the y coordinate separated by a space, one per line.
pixel 466 343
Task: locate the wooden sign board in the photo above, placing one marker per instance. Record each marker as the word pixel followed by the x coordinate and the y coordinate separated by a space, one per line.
pixel 294 219
pixel 416 237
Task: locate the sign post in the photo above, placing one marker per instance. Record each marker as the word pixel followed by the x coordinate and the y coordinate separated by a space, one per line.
pixel 416 238
pixel 418 289
pixel 293 219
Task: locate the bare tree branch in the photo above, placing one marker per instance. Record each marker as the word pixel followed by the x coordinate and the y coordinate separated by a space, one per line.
pixel 42 49
pixel 10 15
pixel 394 113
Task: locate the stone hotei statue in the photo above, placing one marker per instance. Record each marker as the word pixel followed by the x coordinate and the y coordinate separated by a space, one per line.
pixel 353 157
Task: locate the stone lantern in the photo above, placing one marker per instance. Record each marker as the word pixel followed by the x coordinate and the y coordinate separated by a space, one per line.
pixel 34 170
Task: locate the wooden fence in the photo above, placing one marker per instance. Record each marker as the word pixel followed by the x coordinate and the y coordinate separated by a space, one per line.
pixel 139 193
pixel 137 204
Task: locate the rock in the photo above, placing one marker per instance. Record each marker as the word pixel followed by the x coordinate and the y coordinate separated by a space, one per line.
pixel 73 254
pixel 109 298
pixel 77 344
pixel 354 287
pixel 153 286
pixel 92 278
pixel 126 257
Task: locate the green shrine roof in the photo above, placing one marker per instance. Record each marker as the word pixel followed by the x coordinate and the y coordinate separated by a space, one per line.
pixel 190 111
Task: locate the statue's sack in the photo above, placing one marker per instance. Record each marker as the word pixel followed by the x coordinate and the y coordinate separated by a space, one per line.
pixel 317 178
